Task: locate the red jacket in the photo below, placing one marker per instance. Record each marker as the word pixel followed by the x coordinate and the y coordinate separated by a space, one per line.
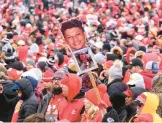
pixel 72 112
pixel 147 76
pixel 56 105
pixel 126 77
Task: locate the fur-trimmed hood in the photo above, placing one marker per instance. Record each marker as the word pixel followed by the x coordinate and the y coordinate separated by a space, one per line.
pixel 116 49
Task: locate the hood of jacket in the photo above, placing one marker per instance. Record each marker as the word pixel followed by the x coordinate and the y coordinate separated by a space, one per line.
pixel 74 84
pixel 25 87
pixel 147 73
pixel 130 50
pixel 10 95
pixel 116 86
pixel 150 106
pixel 103 94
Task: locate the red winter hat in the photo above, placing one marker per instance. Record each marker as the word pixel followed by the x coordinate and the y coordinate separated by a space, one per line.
pixel 48 76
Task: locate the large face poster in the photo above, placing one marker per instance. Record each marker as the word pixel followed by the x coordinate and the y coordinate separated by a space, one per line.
pixel 75 37
pixel 74 34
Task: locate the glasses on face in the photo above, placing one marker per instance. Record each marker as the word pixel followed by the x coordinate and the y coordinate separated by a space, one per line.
pixel 56 80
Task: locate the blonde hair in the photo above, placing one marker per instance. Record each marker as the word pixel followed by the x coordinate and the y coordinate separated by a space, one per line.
pixel 91 110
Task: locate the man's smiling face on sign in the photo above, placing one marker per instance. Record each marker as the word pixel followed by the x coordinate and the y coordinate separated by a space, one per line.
pixel 75 37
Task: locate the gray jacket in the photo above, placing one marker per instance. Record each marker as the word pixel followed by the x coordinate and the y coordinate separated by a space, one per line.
pixel 42 108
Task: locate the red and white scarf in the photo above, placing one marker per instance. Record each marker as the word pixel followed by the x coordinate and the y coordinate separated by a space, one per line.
pixel 16 111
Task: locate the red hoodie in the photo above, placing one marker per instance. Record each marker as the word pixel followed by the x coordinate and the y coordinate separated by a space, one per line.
pixel 129 51
pixel 72 112
pixel 127 60
pixel 147 76
pixel 86 117
pixel 103 93
pixel 149 57
pixel 67 107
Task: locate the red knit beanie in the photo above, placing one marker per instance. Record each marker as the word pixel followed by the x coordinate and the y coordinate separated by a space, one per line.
pixel 48 76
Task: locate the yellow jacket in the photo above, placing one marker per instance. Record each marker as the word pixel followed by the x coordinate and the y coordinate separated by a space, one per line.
pixel 151 105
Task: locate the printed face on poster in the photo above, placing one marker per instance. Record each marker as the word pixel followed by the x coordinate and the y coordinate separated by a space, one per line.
pixel 74 34
pixel 75 37
pixel 84 60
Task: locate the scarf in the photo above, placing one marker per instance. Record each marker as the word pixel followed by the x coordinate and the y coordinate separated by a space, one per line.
pixel 16 111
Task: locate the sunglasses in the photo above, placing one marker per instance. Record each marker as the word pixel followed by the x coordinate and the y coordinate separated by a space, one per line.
pixel 138 103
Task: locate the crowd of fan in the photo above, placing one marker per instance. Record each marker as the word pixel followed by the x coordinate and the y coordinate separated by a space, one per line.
pixel 39 80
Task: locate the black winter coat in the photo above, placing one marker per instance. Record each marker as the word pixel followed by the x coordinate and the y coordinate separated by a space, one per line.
pixel 8 100
pixel 30 101
pixel 116 115
pixel 131 111
pixel 122 114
